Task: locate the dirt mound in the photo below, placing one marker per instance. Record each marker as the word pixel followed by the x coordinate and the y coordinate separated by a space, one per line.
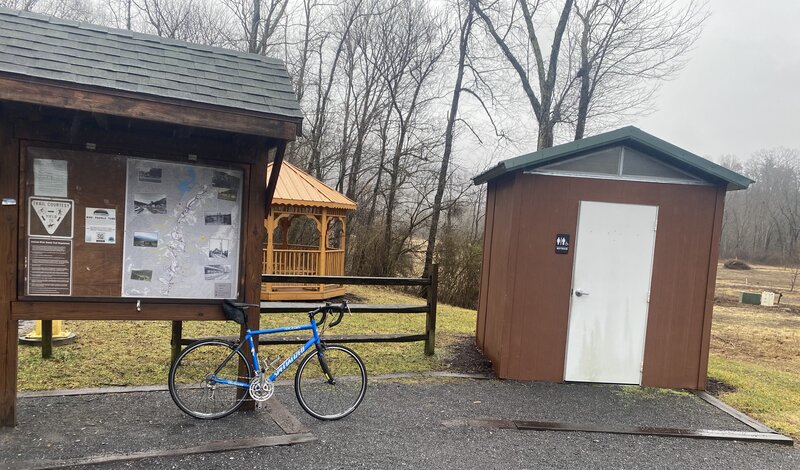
pixel 736 264
pixel 463 356
pixel 717 387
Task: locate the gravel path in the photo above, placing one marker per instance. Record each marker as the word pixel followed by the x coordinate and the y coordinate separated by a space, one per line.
pixel 400 425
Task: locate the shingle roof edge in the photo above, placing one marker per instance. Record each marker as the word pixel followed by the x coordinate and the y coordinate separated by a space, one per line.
pixel 141 36
pixel 529 161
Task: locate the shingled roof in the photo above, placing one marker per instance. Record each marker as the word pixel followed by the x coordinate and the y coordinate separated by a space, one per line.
pixel 49 48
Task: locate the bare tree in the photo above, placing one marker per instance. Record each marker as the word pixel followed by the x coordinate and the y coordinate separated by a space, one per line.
pixel 546 111
pixel 259 22
pixel 420 42
pixel 625 49
pixel 463 43
pixel 24 5
pixel 76 10
pixel 762 223
pixel 606 59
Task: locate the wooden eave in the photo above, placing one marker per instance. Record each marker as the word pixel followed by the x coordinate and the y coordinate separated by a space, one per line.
pixel 147 107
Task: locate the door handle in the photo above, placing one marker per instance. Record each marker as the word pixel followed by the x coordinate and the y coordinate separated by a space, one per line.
pixel 580 293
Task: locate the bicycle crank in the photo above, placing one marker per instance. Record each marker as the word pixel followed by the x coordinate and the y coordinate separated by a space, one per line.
pixel 261 388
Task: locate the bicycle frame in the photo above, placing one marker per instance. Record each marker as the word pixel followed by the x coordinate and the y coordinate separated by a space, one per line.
pixel 248 337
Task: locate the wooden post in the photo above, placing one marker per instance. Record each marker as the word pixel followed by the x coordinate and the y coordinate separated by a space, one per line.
pixel 430 318
pixel 259 205
pixel 9 217
pixel 175 342
pixel 269 261
pixel 47 339
pixel 323 245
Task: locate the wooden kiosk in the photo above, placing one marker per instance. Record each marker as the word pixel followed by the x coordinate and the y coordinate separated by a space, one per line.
pixel 305 236
pixel 132 175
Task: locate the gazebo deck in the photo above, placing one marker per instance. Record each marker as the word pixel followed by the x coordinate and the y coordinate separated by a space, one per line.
pixel 302 261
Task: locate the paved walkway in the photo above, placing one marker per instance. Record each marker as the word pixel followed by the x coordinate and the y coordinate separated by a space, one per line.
pixel 400 424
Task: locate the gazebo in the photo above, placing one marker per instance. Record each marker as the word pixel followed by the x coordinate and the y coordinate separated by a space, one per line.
pixel 305 235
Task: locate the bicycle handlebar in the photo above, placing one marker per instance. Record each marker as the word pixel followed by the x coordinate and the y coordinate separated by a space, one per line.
pixel 341 313
pixel 327 308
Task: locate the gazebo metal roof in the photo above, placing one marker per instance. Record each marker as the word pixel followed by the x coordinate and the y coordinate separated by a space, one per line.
pixel 296 187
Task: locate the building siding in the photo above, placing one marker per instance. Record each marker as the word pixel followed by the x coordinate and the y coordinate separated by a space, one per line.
pixel 527 295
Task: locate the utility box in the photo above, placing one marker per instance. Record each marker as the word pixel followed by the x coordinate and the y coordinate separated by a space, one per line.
pixel 751 298
pixel 768 299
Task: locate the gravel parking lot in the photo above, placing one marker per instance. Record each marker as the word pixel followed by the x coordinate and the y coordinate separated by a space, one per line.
pixel 398 425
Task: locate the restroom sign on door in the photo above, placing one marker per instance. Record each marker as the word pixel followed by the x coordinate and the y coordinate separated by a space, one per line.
pixel 562 243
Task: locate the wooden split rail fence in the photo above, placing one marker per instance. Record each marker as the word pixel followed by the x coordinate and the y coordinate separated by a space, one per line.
pixel 428 308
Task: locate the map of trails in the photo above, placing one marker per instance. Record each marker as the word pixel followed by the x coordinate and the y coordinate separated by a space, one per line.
pixel 182 228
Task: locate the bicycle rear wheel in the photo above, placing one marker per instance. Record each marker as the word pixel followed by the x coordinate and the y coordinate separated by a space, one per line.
pixel 331 399
pixel 192 388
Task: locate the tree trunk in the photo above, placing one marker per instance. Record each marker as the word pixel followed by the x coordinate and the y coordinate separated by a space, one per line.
pixel 448 143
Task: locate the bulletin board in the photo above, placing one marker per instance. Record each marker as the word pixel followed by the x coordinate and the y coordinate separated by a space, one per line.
pixel 102 225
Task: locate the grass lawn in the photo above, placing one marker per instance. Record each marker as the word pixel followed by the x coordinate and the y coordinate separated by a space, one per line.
pixel 756 349
pixel 137 353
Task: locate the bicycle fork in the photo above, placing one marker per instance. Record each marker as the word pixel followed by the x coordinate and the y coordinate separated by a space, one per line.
pixel 325 369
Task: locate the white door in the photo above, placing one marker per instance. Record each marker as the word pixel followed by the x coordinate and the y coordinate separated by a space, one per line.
pixel 610 292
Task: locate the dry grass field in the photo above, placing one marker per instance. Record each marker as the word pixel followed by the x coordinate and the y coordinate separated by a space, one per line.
pixel 756 350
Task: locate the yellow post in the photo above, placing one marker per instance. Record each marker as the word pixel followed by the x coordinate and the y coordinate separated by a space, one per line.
pixel 47 334
pixel 59 331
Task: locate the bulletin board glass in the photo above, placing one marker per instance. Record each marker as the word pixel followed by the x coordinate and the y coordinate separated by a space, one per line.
pixel 103 225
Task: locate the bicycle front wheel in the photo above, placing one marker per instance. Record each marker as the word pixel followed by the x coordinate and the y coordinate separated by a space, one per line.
pixel 334 397
pixel 192 387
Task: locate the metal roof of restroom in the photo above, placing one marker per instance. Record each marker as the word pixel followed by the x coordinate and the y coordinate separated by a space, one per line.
pixel 52 49
pixel 630 136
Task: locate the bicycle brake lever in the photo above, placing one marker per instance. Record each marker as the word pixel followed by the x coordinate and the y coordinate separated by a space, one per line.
pixel 341 315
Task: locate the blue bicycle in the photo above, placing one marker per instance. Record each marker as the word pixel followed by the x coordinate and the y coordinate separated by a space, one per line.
pixel 206 380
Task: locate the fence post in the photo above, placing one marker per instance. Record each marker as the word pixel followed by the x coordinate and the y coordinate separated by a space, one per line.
pixel 47 339
pixel 430 318
pixel 175 342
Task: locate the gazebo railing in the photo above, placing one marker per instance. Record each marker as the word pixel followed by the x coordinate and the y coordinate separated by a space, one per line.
pixel 295 262
pixel 334 262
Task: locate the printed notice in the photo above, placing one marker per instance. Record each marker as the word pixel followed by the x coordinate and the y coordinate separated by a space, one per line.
pixel 101 225
pixel 49 177
pixel 49 267
pixel 50 217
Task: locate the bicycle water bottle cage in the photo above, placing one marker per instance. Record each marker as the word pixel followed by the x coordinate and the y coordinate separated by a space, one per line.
pixel 233 313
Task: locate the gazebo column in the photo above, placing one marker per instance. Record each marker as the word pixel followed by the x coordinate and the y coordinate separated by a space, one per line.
pixel 269 259
pixel 323 237
pixel 342 240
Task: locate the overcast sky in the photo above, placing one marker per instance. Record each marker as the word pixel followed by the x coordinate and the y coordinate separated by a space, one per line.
pixel 740 91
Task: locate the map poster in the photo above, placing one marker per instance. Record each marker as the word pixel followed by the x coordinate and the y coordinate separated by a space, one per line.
pixel 49 267
pixel 182 230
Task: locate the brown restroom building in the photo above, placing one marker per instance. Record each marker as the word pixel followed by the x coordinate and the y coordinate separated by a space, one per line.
pixel 600 261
